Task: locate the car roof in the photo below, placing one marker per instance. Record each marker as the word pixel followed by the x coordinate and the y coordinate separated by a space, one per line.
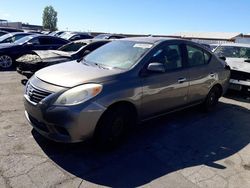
pixel 88 41
pixel 150 39
pixel 17 33
pixel 43 35
pixel 235 45
pixel 10 29
pixel 77 32
pixel 3 31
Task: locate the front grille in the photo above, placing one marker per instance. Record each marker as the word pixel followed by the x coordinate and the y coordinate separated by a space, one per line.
pixel 36 95
pixel 239 75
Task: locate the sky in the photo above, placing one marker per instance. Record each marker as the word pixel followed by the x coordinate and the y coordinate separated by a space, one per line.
pixel 135 16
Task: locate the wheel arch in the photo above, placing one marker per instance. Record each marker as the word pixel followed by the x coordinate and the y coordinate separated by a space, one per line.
pixel 219 86
pixel 120 104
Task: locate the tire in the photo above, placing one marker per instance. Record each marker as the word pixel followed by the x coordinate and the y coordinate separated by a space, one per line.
pixel 212 99
pixel 6 62
pixel 113 127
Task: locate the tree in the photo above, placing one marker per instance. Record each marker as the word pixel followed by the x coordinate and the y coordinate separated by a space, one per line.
pixel 50 18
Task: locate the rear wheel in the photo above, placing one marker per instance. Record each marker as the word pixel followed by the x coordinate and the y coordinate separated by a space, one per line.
pixel 5 62
pixel 113 126
pixel 212 99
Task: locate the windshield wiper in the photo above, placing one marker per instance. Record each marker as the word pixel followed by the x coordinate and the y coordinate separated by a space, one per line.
pixel 101 66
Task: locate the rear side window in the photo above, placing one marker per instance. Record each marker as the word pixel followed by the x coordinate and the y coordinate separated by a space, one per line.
pixel 197 56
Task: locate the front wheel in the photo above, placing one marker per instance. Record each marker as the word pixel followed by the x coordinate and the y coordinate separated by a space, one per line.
pixel 6 62
pixel 212 99
pixel 112 127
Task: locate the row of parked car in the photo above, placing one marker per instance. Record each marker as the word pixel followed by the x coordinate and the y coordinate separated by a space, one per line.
pixel 101 87
pixel 16 44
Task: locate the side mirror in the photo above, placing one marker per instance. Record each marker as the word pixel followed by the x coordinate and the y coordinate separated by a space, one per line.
pixel 86 52
pixel 247 60
pixel 156 67
pixel 29 44
pixel 223 58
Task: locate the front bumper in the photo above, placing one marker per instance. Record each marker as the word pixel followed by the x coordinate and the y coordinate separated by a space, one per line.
pixel 67 124
pixel 239 85
pixel 28 74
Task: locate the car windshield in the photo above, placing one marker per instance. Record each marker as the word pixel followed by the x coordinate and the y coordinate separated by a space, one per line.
pixel 2 38
pixel 102 36
pixel 233 51
pixel 23 40
pixel 118 54
pixel 67 35
pixel 72 47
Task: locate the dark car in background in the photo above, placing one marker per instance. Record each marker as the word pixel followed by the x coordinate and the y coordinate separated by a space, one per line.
pixel 10 29
pixel 9 52
pixel 119 84
pixel 72 36
pixel 30 63
pixel 109 36
pixel 3 33
pixel 12 37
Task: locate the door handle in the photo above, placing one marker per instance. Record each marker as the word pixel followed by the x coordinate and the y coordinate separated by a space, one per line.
pixel 181 80
pixel 212 74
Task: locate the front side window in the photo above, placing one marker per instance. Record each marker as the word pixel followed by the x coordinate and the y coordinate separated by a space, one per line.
pixel 119 54
pixel 5 37
pixel 9 40
pixel 233 51
pixel 197 56
pixel 170 56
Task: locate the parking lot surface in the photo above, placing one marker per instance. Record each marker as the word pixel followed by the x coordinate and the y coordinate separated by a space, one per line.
pixel 184 149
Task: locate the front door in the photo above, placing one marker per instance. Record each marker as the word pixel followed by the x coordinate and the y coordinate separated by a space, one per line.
pixel 163 91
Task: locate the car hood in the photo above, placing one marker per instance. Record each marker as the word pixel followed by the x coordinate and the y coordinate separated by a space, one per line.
pixel 238 64
pixel 52 55
pixel 72 73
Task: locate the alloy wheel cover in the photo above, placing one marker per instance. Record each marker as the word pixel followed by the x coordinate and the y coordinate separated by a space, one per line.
pixel 5 61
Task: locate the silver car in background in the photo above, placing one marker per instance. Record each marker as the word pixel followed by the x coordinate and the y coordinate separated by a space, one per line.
pixel 121 83
pixel 238 58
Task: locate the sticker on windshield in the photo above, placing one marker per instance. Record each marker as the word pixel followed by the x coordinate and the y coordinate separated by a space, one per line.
pixel 142 45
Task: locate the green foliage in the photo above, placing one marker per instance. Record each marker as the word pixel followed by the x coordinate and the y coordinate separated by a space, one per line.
pixel 49 18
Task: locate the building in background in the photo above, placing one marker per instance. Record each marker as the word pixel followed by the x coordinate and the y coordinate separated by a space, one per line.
pixel 20 25
pixel 3 23
pixel 213 37
pixel 209 37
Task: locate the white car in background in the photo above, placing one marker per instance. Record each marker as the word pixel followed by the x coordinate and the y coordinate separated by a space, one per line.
pixel 238 58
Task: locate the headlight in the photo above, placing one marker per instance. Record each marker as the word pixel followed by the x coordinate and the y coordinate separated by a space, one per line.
pixel 79 94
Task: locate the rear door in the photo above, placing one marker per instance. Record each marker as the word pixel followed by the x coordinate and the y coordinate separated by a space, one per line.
pixel 168 90
pixel 201 73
